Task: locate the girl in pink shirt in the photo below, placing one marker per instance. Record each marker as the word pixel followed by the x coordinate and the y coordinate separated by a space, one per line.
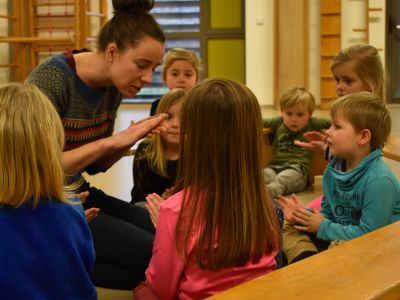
pixel 221 228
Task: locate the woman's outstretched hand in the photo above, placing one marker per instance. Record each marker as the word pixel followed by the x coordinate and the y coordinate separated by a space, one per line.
pixel 148 126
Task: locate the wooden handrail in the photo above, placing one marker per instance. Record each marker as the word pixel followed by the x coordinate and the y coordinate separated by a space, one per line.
pixel 8 17
pixel 367 267
pixel 34 39
pixel 55 16
pixel 8 66
pixel 392 148
pixel 375 9
pixel 95 14
pixel 46 4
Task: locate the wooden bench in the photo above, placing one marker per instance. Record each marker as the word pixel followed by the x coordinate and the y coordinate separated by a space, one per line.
pixel 367 267
pixel 392 148
pixel 318 164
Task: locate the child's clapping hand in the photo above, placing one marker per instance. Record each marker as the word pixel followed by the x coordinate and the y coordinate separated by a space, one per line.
pixel 307 220
pixel 289 206
pixel 153 204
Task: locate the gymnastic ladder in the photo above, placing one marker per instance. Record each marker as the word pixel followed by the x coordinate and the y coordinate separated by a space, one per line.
pixel 41 28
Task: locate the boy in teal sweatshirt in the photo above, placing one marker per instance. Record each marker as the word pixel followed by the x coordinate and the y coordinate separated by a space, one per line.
pixel 364 197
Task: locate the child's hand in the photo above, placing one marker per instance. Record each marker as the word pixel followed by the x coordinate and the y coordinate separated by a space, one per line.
pixel 289 206
pixel 307 221
pixel 91 213
pixel 167 193
pixel 153 204
pixel 316 141
pixel 83 196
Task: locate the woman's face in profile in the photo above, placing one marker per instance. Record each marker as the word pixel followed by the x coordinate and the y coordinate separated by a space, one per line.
pixel 132 68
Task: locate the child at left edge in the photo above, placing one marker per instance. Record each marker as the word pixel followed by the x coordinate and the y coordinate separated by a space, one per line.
pixel 46 249
pixel 360 199
pixel 288 170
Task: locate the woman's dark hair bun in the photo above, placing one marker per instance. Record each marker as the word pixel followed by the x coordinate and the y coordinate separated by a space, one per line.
pixel 132 5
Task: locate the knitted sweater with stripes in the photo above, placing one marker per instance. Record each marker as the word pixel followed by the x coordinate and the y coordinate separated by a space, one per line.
pixel 87 114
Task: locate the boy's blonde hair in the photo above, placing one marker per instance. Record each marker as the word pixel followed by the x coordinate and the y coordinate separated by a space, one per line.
pixel 365 110
pixel 31 142
pixel 155 151
pixel 297 95
pixel 367 65
pixel 220 172
pixel 181 54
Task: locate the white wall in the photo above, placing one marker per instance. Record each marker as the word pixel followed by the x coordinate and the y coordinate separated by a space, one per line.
pixel 377 26
pixel 260 41
pixel 260 49
pixel 314 47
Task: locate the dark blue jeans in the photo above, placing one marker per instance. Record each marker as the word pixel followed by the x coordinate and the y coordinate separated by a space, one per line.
pixel 123 236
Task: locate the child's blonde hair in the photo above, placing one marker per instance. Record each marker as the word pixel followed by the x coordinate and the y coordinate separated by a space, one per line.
pixel 155 151
pixel 31 142
pixel 297 95
pixel 181 54
pixel 367 65
pixel 220 172
pixel 365 110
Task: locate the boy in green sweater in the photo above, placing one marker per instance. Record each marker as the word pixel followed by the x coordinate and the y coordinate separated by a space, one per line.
pixel 290 165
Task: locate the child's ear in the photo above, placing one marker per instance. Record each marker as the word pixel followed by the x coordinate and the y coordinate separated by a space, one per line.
pixel 364 137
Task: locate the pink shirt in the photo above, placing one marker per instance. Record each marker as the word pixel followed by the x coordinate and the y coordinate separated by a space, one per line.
pixel 170 278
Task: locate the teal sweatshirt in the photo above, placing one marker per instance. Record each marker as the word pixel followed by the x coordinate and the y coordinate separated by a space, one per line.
pixel 359 201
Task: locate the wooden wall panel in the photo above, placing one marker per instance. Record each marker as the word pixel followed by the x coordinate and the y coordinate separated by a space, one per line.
pixel 325 64
pixel 330 45
pixel 330 6
pixel 291 60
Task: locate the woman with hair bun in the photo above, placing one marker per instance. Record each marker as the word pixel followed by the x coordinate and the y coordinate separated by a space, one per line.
pixel 86 88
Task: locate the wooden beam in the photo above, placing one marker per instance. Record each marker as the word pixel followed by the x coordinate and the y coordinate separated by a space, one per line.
pixel 367 267
pixel 34 39
pixel 392 149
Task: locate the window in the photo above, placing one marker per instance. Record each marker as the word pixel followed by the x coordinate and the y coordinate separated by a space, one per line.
pixel 206 28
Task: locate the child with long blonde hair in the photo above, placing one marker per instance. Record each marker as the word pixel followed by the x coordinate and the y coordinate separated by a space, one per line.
pixel 156 158
pixel 180 70
pixel 356 68
pixel 220 229
pixel 46 247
